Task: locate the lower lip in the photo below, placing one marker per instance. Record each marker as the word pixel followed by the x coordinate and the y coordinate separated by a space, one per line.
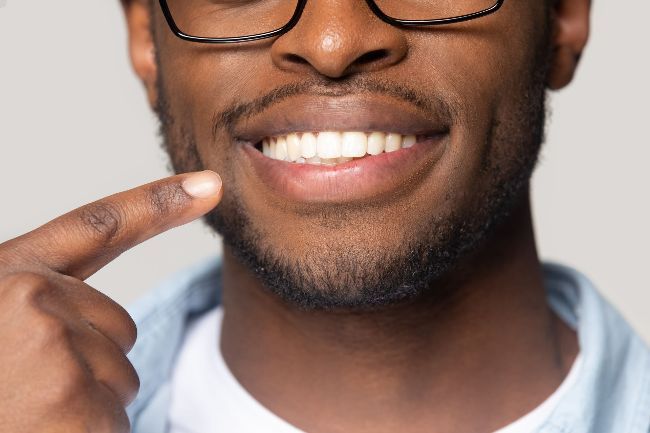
pixel 367 178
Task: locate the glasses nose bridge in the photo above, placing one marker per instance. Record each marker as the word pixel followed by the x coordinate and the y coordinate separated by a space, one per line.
pixel 302 4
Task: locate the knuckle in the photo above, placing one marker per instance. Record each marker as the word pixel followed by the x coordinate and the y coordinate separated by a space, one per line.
pixel 67 384
pixel 25 280
pixel 48 329
pixel 25 288
pixel 165 198
pixel 104 221
pixel 62 392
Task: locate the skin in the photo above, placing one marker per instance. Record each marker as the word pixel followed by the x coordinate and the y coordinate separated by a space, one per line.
pixel 493 349
pixel 63 344
pixel 395 367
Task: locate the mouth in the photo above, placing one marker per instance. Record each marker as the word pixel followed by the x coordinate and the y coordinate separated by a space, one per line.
pixel 342 150
pixel 333 147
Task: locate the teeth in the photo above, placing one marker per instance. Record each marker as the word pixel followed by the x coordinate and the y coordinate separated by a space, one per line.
pixel 266 149
pixel 332 147
pixel 313 160
pixel 293 147
pixel 354 144
pixel 308 145
pixel 328 144
pixel 329 161
pixel 393 142
pixel 281 148
pixel 409 140
pixel 376 143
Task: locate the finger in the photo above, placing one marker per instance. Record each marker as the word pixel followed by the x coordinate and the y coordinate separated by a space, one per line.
pixel 81 242
pixel 70 300
pixel 108 414
pixel 106 362
pixel 98 310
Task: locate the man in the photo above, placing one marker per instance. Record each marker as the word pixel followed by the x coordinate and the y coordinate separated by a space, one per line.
pixel 379 271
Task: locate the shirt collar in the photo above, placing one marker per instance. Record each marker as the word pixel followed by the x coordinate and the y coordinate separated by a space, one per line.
pixel 611 394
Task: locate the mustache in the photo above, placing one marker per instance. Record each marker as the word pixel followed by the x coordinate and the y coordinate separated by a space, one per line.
pixel 445 108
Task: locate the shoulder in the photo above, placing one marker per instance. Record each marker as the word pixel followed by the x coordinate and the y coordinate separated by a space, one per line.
pixel 612 394
pixel 184 292
pixel 161 318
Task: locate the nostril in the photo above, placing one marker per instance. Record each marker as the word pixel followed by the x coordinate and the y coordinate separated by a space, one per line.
pixel 372 56
pixel 293 58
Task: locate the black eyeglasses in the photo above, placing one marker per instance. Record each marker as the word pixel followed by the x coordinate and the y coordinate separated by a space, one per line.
pixel 228 21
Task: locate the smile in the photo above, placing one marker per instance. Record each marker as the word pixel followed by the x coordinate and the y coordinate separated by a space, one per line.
pixel 356 149
pixel 333 147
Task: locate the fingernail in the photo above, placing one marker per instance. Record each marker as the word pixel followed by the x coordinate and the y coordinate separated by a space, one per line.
pixel 202 185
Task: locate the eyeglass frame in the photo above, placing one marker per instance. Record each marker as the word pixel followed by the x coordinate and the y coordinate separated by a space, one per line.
pixel 300 6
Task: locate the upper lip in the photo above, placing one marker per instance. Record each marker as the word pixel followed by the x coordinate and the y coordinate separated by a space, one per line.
pixel 366 113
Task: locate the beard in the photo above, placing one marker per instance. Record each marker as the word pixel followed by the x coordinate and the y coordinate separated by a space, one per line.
pixel 337 275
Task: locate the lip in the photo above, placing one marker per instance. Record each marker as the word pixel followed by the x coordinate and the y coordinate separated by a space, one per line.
pixel 365 113
pixel 359 180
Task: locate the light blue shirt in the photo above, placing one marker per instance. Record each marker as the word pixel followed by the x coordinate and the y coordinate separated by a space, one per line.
pixel 611 393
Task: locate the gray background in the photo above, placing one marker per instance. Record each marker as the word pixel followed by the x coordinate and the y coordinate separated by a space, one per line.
pixel 75 126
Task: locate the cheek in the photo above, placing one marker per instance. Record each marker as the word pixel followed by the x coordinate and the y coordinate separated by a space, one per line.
pixel 202 81
pixel 488 73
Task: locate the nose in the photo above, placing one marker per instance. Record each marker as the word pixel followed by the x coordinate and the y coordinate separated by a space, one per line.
pixel 336 38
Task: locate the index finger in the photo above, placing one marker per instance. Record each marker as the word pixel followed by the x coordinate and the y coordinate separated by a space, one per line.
pixel 81 242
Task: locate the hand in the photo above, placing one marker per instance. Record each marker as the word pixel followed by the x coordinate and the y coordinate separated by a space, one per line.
pixel 63 345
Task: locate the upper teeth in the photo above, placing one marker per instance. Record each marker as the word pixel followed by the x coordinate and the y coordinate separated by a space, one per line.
pixel 331 147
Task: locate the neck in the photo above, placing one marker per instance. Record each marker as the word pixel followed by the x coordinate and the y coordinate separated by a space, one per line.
pixel 494 348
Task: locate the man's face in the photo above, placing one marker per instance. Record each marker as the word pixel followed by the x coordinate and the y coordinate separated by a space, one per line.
pixel 382 228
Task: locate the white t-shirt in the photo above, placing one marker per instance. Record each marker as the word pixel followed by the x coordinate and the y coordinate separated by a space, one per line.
pixel 207 398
